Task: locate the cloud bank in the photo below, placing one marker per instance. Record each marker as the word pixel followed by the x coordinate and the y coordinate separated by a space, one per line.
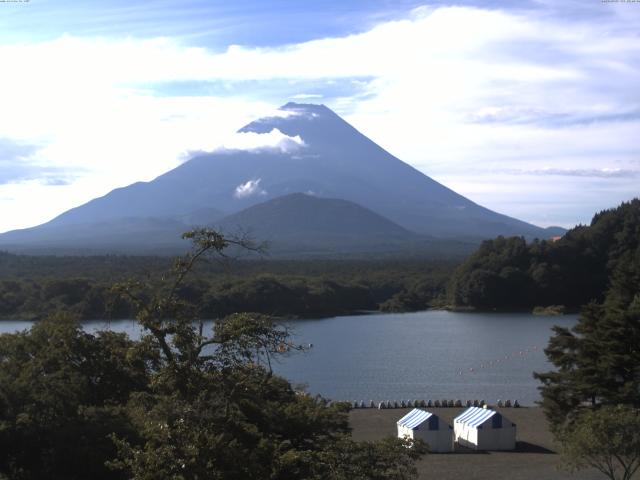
pixel 459 92
pixel 258 142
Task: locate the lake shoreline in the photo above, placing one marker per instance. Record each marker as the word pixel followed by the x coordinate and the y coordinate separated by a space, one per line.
pixel 537 311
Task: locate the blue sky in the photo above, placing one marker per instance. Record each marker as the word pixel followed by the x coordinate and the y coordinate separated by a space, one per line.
pixel 531 108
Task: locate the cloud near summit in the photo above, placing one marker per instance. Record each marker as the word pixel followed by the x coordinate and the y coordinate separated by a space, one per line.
pixel 257 142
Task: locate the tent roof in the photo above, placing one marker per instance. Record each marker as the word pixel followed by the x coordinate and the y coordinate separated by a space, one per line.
pixel 475 416
pixel 414 418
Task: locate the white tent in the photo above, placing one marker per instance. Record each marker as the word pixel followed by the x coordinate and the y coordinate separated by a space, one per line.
pixel 423 425
pixel 484 429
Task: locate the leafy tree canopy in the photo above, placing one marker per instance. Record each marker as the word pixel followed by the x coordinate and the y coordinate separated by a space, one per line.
pixel 181 403
pixel 607 439
pixel 573 271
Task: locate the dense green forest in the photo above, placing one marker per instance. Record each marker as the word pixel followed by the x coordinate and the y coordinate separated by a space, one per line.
pixel 592 396
pixel 509 273
pixel 32 287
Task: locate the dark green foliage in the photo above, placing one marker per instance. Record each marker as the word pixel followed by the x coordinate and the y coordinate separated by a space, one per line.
pixel 181 403
pixel 31 287
pixel 607 439
pixel 573 271
pixel 593 396
pixel 217 411
pixel 598 361
pixel 62 392
pixel 419 294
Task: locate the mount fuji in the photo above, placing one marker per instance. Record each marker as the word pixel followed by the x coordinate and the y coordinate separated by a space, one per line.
pixel 318 154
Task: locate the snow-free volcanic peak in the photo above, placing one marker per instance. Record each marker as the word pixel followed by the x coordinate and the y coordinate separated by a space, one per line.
pixel 334 161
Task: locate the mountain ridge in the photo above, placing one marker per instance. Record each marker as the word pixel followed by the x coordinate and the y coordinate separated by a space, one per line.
pixel 334 161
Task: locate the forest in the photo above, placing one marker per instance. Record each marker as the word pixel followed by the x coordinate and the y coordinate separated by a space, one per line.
pixel 32 287
pixel 509 273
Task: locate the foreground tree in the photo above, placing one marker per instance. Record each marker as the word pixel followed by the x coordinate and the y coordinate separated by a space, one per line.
pixel 181 403
pixel 598 360
pixel 592 399
pixel 607 439
pixel 62 393
pixel 216 410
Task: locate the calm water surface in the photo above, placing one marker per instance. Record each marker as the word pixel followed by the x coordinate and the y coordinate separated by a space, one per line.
pixel 423 355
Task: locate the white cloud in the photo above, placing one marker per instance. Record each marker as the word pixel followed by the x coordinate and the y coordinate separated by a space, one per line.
pixel 306 96
pixel 249 189
pixel 448 89
pixel 256 142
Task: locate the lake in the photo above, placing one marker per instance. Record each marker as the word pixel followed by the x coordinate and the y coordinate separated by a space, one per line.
pixel 421 355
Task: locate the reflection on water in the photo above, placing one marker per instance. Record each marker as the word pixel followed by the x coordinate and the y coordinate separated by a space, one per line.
pixel 423 355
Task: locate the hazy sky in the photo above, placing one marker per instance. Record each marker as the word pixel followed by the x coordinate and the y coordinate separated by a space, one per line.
pixel 531 108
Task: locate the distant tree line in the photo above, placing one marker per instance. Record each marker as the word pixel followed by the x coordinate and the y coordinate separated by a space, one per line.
pixel 510 273
pixel 82 286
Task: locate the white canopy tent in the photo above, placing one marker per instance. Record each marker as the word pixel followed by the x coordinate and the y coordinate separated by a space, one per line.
pixel 484 429
pixel 423 425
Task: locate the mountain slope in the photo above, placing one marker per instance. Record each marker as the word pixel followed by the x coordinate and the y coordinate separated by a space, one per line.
pixel 302 218
pixel 335 161
pixel 304 225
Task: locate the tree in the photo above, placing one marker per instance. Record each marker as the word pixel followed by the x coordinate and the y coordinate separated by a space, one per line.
pixel 181 403
pixel 62 392
pixel 573 271
pixel 216 410
pixel 607 439
pixel 592 400
pixel 598 360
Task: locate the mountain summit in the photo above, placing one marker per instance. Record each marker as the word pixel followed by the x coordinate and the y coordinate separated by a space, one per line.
pixel 317 153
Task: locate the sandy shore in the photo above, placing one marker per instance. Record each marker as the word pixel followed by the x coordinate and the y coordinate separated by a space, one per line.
pixel 535 457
